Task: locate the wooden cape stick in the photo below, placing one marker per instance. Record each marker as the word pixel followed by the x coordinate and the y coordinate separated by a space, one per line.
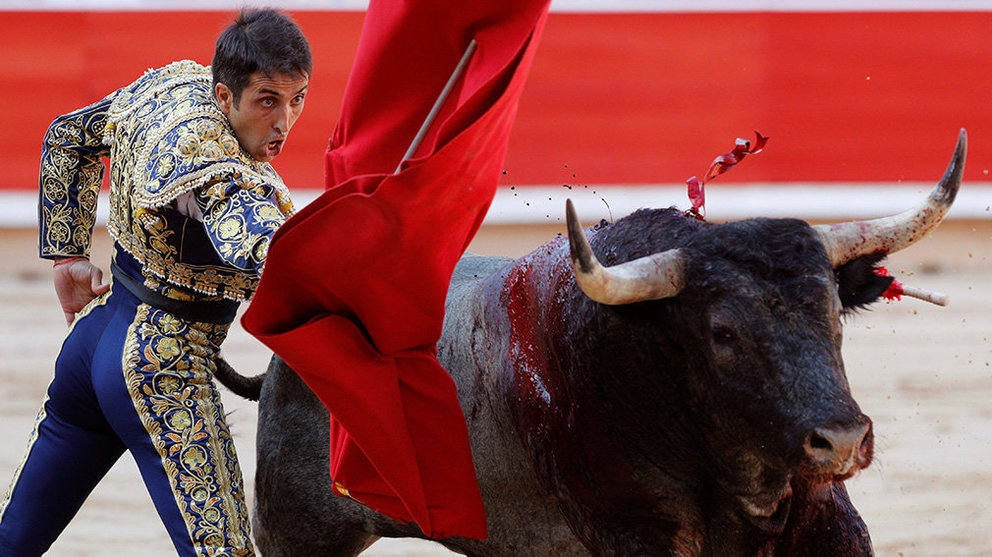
pixel 459 69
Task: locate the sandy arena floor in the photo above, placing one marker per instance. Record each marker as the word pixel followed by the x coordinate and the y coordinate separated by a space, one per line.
pixel 921 372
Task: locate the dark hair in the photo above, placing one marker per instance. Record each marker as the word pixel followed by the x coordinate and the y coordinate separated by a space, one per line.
pixel 259 40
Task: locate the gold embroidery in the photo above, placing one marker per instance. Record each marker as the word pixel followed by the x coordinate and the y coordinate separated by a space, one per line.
pixel 168 367
pixel 227 215
pixel 71 174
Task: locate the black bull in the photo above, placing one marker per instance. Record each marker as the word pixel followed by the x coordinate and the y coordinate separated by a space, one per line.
pixel 687 396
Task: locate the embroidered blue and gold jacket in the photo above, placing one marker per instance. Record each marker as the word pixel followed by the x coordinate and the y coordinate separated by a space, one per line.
pixel 186 201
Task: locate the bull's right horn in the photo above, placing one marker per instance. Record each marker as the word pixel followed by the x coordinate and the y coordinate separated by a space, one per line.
pixel 653 277
pixel 850 240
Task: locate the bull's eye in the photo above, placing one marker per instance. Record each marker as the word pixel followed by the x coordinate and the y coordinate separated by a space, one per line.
pixel 723 335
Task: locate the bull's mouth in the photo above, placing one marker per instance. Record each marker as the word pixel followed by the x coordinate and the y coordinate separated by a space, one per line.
pixel 768 512
pixel 852 471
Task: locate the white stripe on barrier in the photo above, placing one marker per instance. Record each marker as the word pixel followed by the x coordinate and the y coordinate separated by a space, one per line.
pixel 625 6
pixel 531 205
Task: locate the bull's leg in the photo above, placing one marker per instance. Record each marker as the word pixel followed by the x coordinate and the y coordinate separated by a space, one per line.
pixel 295 512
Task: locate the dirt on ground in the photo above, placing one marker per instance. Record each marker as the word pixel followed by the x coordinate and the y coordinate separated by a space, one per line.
pixel 923 373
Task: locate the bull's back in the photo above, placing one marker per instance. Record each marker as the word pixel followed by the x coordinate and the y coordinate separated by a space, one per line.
pixel 470 271
pixel 475 281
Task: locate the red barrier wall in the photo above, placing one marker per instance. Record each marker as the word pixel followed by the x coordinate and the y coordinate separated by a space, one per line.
pixel 613 98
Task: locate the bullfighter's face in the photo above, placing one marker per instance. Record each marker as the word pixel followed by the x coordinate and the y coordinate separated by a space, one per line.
pixel 267 109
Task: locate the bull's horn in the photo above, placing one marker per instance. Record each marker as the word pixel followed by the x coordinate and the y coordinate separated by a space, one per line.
pixel 850 240
pixel 656 276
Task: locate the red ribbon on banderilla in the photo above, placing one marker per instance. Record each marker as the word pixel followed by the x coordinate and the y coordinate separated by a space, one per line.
pixel 721 164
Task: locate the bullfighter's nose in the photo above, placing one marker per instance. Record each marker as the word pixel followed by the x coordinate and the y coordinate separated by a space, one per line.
pixel 840 451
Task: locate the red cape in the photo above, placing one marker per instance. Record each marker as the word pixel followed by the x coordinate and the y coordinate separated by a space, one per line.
pixel 352 296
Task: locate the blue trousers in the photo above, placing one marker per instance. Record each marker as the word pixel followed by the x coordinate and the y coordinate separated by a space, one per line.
pixel 136 378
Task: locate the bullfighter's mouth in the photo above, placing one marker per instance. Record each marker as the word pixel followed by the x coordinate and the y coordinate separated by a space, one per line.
pixel 274 147
pixel 768 511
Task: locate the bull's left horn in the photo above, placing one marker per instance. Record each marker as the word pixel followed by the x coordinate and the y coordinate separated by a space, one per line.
pixel 850 240
pixel 653 277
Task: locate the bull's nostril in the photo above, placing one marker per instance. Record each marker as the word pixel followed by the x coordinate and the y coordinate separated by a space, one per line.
pixel 867 442
pixel 817 441
pixel 838 450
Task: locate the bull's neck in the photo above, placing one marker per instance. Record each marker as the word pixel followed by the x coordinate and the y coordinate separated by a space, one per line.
pixel 557 408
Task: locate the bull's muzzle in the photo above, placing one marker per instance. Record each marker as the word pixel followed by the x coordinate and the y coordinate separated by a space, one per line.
pixel 838 452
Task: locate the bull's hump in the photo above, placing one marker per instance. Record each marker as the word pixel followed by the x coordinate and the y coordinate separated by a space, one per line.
pixel 472 267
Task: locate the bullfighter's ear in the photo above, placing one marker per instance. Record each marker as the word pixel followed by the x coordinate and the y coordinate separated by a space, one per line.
pixel 858 283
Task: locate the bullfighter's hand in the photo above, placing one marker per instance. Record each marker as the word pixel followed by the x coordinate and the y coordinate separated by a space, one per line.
pixel 76 283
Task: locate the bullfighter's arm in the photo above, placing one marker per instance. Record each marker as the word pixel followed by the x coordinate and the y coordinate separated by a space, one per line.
pixel 69 184
pixel 240 216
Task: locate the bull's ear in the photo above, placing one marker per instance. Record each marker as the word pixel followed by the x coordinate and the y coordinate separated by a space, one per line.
pixel 858 283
